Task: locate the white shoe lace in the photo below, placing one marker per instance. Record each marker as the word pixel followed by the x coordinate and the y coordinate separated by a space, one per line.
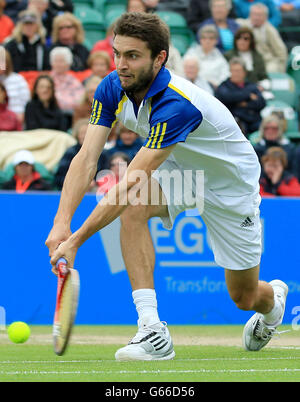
pixel 145 330
pixel 263 332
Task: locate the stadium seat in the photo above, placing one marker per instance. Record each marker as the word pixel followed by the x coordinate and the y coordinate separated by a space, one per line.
pixel 91 19
pixel 83 3
pixel 181 42
pixel 175 21
pixel 283 88
pixel 92 36
pixel 112 12
pixel 99 5
pixel 293 69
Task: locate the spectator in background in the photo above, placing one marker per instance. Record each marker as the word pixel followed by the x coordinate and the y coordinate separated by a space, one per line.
pixel 43 111
pixel 8 119
pixel 242 98
pixel 6 23
pixel 99 63
pixel 244 47
pixel 42 7
pixel 191 67
pixel 17 88
pixel 79 131
pixel 214 67
pixel 84 108
pixel 268 40
pixel 275 179
pixel 106 180
pixel 127 141
pixel 226 26
pixel 25 178
pixel 174 63
pixel 27 44
pixel 198 11
pixel 60 6
pixel 68 31
pixel 68 89
pixel 106 45
pixel 272 135
pixel 14 7
pixel 242 10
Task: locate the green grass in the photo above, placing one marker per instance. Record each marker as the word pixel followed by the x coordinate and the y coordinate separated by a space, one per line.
pixel 89 358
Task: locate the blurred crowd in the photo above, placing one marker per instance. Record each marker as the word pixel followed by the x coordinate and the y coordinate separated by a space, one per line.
pixel 50 73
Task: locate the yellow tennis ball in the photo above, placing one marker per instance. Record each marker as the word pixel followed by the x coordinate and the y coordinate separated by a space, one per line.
pixel 18 332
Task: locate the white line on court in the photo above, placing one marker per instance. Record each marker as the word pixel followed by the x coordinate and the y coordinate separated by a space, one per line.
pixel 181 360
pixel 203 371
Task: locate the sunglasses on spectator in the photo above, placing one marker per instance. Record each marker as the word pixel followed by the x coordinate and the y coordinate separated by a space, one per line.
pixel 247 38
pixel 66 27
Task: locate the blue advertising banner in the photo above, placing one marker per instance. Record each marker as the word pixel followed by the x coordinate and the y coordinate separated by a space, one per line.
pixel 190 287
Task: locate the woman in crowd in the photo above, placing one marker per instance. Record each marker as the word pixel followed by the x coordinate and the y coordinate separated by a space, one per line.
pixel 16 86
pixel 8 119
pixel 68 31
pixel 275 179
pixel 43 111
pixel 27 44
pixel 244 47
pixel 272 135
pixel 68 89
pixel 214 67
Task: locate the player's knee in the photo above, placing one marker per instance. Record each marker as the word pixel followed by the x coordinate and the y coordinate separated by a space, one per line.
pixel 133 214
pixel 244 300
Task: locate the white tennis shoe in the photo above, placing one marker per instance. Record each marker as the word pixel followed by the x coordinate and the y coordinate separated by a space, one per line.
pixel 152 342
pixel 256 333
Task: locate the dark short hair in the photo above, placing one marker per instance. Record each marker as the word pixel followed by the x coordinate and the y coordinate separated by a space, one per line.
pixel 147 27
pixel 245 30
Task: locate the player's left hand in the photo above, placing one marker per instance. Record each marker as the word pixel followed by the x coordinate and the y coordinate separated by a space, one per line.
pixel 66 250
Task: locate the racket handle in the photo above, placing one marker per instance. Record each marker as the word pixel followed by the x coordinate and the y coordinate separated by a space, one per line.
pixel 61 266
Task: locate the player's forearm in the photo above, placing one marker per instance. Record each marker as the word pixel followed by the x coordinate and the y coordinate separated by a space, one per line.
pixel 76 184
pixel 110 207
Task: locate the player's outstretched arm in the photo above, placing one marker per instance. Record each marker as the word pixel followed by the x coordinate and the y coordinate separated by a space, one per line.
pixel 145 162
pixel 80 174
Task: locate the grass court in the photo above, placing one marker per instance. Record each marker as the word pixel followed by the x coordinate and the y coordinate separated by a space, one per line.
pixel 203 354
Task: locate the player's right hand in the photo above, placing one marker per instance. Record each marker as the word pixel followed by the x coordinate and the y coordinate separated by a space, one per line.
pixel 58 234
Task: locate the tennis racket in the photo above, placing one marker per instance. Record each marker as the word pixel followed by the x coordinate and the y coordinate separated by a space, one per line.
pixel 66 305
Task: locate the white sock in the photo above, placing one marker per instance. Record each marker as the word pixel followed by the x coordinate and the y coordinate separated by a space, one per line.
pixel 273 317
pixel 146 305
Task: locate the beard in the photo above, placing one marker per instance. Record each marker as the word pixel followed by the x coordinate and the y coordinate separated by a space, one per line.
pixel 143 80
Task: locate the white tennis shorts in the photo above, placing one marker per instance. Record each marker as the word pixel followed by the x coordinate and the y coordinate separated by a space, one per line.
pixel 235 235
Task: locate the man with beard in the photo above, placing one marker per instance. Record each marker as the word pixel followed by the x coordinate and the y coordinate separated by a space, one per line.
pixel 186 129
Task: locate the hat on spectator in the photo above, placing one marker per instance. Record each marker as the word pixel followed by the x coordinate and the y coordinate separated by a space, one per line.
pixel 23 156
pixel 28 17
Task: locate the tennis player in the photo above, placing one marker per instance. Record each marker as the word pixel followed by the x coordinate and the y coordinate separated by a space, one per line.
pixel 185 128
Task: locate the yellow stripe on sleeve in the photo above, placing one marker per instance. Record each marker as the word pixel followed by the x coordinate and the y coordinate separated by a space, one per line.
pixel 164 128
pixel 156 136
pixel 94 109
pixel 98 112
pixel 150 138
